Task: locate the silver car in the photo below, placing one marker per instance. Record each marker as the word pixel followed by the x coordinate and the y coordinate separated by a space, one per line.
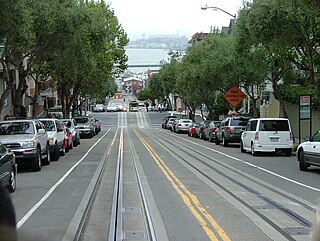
pixel 28 140
pixel 182 125
pixel 86 126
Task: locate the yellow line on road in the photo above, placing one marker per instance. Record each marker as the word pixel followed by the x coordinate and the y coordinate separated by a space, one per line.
pixel 187 196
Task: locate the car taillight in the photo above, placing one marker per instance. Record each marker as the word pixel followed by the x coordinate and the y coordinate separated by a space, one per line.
pixel 179 125
pixel 256 136
pixel 228 129
pixel 214 129
pixel 291 136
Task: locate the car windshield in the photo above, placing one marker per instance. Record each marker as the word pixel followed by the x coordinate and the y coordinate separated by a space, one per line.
pixel 67 123
pixel 49 125
pixel 12 128
pixel 316 136
pixel 82 120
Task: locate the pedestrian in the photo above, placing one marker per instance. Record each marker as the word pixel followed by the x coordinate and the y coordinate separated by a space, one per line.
pixel 147 106
pixel 7 216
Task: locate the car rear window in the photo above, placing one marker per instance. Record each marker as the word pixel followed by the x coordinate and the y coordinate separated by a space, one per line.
pixel 274 125
pixel 239 122
pixel 186 121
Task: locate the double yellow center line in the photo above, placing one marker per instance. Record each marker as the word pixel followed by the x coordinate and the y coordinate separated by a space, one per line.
pixel 190 200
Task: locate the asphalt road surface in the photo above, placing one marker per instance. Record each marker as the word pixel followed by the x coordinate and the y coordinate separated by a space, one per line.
pixel 137 181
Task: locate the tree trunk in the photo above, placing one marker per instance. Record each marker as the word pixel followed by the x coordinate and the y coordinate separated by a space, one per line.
pixel 9 84
pixel 19 92
pixel 277 94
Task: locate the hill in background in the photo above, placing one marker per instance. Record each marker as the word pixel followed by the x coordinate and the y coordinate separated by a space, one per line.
pixel 172 42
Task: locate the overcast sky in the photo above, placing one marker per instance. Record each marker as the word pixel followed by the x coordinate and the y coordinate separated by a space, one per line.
pixel 172 17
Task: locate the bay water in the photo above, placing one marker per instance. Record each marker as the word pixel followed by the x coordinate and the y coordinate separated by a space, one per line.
pixel 146 57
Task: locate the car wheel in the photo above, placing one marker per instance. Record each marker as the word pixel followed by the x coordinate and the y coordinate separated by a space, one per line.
pixel 216 141
pixel 55 154
pixel 75 143
pixel 253 152
pixel 67 149
pixel 46 160
pixel 224 141
pixel 12 185
pixel 36 162
pixel 303 166
pixel 241 147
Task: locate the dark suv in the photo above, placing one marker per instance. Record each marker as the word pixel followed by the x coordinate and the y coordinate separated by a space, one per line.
pixel 230 130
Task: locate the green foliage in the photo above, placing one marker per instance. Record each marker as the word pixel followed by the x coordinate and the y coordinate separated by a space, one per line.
pixel 156 86
pixel 220 107
pixel 291 94
pixel 145 94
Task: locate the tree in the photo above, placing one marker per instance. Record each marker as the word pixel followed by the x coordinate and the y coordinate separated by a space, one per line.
pixel 16 33
pixel 208 67
pixel 263 24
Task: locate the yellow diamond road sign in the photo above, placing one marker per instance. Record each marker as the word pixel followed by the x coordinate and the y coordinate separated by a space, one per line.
pixel 234 96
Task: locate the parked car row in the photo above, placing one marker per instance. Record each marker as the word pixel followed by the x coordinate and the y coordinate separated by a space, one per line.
pixel 37 142
pixel 255 135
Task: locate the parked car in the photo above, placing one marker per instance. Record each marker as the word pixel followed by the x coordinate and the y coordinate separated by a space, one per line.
pixel 267 135
pixel 173 126
pixel 8 168
pixel 28 140
pixel 192 129
pixel 182 125
pixel 308 152
pixel 55 133
pixel 68 139
pixel 97 124
pixel 200 129
pixel 230 130
pixel 71 124
pixel 170 123
pixel 112 107
pixel 99 108
pixel 85 125
pixel 166 119
pixel 209 132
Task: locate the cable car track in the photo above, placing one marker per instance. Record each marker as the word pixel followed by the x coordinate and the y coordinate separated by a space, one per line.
pixel 305 225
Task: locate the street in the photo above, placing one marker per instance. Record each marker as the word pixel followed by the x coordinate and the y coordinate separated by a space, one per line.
pixel 137 181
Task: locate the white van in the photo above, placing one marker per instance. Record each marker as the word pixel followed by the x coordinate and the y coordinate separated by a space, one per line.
pixel 267 135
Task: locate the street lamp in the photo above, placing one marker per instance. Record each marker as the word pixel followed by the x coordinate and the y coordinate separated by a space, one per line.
pixel 216 8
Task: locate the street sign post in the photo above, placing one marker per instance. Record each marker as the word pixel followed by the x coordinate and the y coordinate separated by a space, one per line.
pixel 234 96
pixel 305 112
